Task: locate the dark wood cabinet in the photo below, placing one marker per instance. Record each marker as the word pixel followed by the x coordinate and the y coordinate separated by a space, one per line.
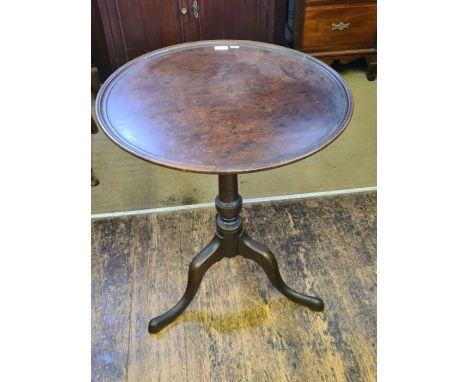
pixel 341 30
pixel 130 28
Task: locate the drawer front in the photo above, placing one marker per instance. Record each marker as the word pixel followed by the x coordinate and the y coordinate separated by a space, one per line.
pixel 336 2
pixel 339 25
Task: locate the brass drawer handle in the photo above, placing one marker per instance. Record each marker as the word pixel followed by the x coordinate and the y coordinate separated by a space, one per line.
pixel 340 26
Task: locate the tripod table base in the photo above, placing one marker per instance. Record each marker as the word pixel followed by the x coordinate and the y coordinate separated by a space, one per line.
pixel 230 240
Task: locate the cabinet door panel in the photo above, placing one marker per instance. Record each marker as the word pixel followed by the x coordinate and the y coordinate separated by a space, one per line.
pixel 134 27
pixel 190 23
pixel 161 23
pixel 234 19
pixel 141 26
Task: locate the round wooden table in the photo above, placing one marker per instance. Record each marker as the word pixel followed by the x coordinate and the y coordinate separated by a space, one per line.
pixel 225 107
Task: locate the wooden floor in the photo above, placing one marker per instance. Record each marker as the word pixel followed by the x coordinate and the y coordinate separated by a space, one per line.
pixel 238 327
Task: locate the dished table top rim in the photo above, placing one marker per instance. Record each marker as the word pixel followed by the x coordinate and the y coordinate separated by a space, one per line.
pixel 108 129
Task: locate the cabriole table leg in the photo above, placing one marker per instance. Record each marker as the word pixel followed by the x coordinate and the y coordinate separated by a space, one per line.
pixel 257 252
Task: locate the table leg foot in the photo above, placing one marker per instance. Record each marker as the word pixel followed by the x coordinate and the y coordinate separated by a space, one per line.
pixel 94 180
pixel 250 249
pixel 211 254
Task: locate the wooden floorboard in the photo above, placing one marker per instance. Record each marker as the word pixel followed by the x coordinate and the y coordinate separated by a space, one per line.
pixel 112 278
pixel 238 327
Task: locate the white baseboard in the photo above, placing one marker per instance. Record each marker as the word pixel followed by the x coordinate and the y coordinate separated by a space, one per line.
pixel 309 195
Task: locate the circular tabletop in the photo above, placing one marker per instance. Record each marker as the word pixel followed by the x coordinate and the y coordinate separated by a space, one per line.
pixel 224 106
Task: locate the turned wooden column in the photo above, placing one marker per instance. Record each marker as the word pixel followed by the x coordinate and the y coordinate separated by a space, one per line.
pixel 228 221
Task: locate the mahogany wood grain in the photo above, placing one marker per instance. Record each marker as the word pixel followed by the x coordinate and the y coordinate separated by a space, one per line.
pixel 195 108
pixel 261 20
pixel 337 2
pixel 235 19
pixel 318 31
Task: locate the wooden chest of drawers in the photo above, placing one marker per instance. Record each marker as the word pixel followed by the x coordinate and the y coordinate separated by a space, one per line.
pixel 342 30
